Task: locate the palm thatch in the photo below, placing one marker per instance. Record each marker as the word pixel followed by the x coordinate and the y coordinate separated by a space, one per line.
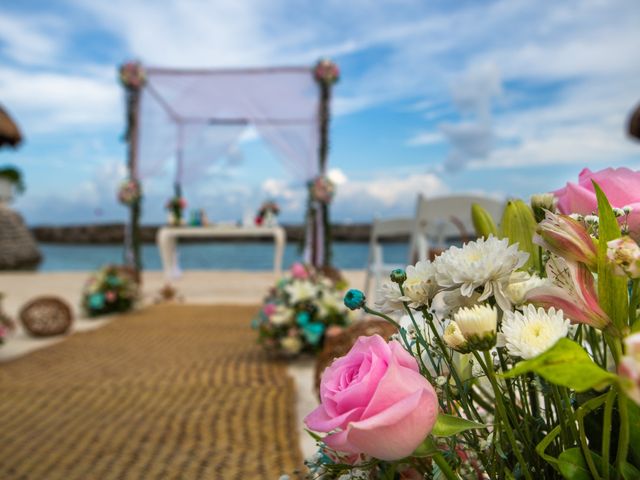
pixel 9 131
pixel 634 123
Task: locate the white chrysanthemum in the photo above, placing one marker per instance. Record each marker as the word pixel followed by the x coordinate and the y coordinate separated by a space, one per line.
pixel 420 285
pixel 282 316
pixel 520 283
pixel 330 302
pixel 477 322
pixel 302 290
pixel 529 333
pixel 388 298
pixel 486 263
pixel 453 337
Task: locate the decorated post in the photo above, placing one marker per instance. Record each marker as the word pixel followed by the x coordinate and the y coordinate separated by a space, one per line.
pixel 321 189
pixel 132 78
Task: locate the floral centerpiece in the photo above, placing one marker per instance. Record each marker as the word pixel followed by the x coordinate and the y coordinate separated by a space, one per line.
pixel 129 192
pixel 111 289
pixel 300 310
pixel 176 205
pixel 521 358
pixel 267 213
pixel 322 190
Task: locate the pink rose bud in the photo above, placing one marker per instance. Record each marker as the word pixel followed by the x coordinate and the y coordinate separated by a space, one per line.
pixel 377 401
pixel 298 270
pixel 624 254
pixel 568 238
pixel 269 309
pixel 629 367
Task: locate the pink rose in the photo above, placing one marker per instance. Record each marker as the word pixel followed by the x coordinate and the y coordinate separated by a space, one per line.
pixel 621 185
pixel 299 271
pixel 269 309
pixel 377 399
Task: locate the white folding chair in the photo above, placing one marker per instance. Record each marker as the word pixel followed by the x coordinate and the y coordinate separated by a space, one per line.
pixel 441 219
pixel 384 229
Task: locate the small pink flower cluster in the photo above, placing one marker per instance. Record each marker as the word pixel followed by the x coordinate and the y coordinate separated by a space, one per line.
pixel 129 192
pixel 132 75
pixel 326 72
pixel 322 190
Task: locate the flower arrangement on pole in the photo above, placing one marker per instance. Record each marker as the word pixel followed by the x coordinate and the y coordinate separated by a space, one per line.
pixel 175 206
pixel 112 289
pixel 132 75
pixel 322 189
pixel 267 214
pixel 300 310
pixel 129 192
pixel 522 358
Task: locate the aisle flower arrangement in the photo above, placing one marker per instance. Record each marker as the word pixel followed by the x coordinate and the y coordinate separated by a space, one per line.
pixel 326 71
pixel 521 359
pixel 132 75
pixel 129 192
pixel 300 310
pixel 175 206
pixel 112 289
pixel 267 213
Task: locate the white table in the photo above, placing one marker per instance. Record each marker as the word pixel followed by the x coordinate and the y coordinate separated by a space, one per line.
pixel 167 238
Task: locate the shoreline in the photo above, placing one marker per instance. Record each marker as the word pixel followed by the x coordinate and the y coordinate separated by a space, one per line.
pixel 113 233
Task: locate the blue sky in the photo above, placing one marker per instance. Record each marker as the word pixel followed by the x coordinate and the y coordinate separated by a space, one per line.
pixel 504 97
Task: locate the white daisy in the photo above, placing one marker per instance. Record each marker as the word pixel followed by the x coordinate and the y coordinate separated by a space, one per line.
pixel 388 298
pixel 531 332
pixel 420 285
pixel 485 263
pixel 299 291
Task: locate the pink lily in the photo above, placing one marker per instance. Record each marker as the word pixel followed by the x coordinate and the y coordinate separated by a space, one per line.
pixel 568 238
pixel 573 291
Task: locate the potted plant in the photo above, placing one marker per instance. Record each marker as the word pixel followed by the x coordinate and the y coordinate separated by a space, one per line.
pixel 10 183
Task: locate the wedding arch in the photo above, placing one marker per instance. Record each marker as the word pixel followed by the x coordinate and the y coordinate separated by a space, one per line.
pixel 193 117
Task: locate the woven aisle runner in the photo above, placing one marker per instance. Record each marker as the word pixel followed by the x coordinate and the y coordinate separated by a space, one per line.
pixel 169 392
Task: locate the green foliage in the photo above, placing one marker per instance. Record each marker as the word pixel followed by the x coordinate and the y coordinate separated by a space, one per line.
pixel 612 289
pixel 519 226
pixel 566 364
pixel 482 221
pixel 448 425
pixel 14 176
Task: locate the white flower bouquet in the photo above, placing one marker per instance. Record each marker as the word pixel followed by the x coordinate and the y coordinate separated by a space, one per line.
pixel 520 359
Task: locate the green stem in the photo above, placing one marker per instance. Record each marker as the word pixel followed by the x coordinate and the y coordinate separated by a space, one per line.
pixel 381 315
pixel 444 467
pixel 623 435
pixel 606 432
pixel 488 368
pixel 633 301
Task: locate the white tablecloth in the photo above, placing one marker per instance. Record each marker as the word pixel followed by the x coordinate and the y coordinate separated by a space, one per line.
pixel 167 237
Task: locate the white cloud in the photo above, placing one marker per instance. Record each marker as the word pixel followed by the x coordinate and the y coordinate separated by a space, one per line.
pixel 33 40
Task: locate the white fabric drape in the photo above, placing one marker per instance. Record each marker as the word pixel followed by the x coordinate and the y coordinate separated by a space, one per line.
pixel 196 117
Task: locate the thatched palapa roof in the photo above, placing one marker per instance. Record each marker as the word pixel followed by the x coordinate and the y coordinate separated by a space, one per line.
pixel 9 131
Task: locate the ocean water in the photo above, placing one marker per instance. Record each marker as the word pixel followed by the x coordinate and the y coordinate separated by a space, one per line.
pixel 214 256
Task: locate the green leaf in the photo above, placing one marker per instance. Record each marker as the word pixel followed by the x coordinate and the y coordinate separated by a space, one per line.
pixel 566 364
pixel 448 425
pixel 573 465
pixel 545 442
pixel 519 226
pixel 483 222
pixel 612 289
pixel 426 448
